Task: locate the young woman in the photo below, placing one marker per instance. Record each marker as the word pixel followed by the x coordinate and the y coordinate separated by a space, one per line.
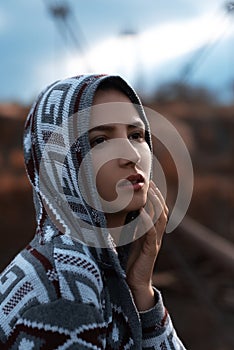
pixel 84 282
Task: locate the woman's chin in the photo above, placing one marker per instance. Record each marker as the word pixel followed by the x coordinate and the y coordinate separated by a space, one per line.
pixel 136 204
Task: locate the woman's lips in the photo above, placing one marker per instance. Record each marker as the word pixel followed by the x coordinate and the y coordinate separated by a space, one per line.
pixel 134 181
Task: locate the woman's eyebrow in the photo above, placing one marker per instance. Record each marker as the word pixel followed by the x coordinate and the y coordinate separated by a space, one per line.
pixel 102 128
pixel 137 124
pixel 110 127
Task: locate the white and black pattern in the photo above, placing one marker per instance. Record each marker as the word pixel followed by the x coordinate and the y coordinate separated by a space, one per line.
pixel 79 262
pixel 78 274
pixel 61 291
pixel 22 289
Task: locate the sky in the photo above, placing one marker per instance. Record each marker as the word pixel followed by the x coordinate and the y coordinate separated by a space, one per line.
pixel 148 42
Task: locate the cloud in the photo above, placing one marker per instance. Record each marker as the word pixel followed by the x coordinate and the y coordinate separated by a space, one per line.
pixel 169 45
pixel 151 48
pixel 181 29
pixel 178 38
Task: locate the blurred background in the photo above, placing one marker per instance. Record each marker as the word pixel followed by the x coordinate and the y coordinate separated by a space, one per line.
pixel 179 56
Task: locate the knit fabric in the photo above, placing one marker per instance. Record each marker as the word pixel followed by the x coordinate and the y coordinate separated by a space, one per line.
pixel 67 289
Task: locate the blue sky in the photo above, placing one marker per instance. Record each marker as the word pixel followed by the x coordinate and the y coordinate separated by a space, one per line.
pixel 168 35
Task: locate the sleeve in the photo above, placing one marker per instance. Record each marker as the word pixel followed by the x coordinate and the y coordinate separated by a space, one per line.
pixel 157 328
pixel 60 324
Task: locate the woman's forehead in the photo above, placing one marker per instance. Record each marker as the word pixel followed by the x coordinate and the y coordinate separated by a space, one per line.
pixel 115 112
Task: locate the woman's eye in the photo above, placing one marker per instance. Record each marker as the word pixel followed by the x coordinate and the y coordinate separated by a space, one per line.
pixel 137 136
pixel 97 141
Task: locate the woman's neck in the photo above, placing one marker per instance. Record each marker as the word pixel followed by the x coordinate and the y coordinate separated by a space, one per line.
pixel 115 220
pixel 115 223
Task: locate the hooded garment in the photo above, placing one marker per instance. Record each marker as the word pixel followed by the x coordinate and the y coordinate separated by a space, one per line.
pixel 67 289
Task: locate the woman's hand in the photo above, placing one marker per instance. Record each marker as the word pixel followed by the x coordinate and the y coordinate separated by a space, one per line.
pixel 144 250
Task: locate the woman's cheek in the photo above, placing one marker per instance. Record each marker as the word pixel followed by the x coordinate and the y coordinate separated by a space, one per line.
pixel 100 162
pixel 146 159
pixel 102 154
pixel 102 168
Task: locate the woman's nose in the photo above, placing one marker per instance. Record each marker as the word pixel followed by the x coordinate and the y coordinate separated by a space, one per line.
pixel 130 152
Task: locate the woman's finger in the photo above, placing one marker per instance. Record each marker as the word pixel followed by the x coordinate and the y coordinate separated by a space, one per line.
pixel 158 206
pixel 159 194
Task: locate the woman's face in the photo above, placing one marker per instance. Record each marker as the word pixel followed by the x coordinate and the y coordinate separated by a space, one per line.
pixel 121 156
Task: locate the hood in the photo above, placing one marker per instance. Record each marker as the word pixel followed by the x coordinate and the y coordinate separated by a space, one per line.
pixel 55 144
